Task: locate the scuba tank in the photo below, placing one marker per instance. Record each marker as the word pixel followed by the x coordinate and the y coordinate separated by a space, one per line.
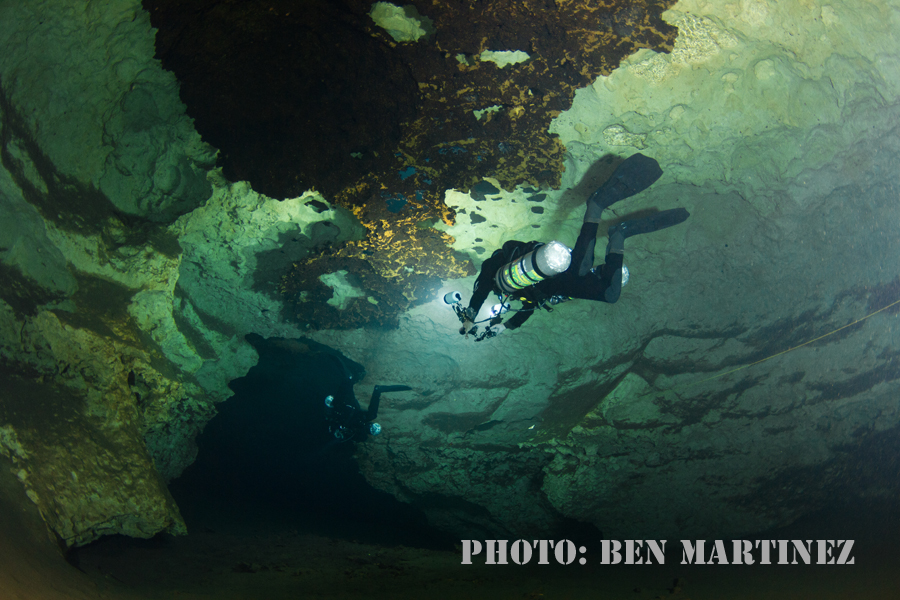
pixel 547 260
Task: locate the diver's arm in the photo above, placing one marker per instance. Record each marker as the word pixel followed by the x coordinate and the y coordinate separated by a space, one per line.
pixel 372 412
pixel 521 316
pixel 485 282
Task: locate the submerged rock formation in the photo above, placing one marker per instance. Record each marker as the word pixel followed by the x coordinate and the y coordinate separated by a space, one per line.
pixel 121 322
pixel 734 386
pixel 745 375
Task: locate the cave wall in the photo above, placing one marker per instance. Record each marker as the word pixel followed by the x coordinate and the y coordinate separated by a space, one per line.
pixel 131 271
pixel 777 127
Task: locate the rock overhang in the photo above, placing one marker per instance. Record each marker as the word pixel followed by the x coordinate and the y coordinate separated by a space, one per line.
pixel 418 115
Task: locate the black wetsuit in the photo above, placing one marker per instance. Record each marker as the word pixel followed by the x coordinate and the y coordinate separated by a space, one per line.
pixel 602 284
pixel 345 418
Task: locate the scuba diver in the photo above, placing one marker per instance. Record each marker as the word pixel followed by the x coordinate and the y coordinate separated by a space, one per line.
pixel 346 420
pixel 543 275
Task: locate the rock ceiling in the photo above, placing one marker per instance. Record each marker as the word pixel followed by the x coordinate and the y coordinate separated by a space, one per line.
pixel 318 96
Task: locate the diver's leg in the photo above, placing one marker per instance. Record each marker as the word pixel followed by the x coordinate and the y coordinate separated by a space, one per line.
pixel 605 282
pixel 372 411
pixel 635 174
pixel 610 274
pixel 583 253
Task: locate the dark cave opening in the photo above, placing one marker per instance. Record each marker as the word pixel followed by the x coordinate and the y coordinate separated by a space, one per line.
pixel 267 461
pixel 295 95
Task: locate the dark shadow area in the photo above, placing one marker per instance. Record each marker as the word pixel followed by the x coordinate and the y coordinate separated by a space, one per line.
pixel 268 83
pixel 277 509
pixel 267 461
pixel 291 565
pixel 315 94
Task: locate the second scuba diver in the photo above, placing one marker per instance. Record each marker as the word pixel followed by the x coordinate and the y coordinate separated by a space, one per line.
pixel 345 419
pixel 542 275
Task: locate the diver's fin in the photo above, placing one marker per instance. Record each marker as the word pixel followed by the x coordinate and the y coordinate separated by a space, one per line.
pixel 372 411
pixel 654 222
pixel 634 175
pixel 391 388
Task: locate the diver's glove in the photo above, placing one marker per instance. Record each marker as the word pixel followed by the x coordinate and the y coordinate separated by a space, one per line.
pixel 490 332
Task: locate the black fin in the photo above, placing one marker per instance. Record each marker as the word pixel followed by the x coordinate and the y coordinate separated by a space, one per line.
pixel 655 222
pixel 391 388
pixel 634 175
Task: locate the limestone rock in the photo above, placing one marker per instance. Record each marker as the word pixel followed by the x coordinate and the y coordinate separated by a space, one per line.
pixel 115 345
pixel 130 136
pixel 74 434
pixel 403 24
pixel 650 419
pixel 743 373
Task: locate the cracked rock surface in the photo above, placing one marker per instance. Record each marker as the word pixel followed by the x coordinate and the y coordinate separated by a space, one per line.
pixel 745 378
pixel 732 388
